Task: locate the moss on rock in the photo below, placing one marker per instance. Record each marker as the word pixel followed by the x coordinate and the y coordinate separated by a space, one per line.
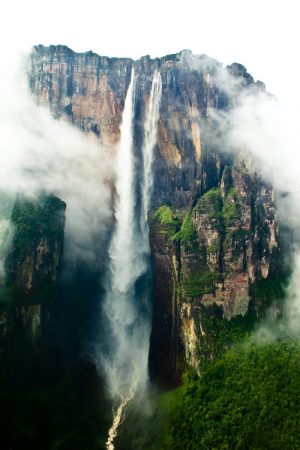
pixel 232 208
pixel 210 203
pixel 187 231
pixel 167 218
pixel 198 284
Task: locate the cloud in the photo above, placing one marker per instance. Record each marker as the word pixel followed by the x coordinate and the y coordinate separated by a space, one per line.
pixel 259 125
pixel 39 153
pixel 255 123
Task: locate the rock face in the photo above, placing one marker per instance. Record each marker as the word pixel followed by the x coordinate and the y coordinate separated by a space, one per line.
pixel 90 91
pixel 214 230
pixel 207 260
pixel 31 269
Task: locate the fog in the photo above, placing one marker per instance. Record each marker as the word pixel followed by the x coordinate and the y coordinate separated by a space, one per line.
pixel 39 153
pixel 261 126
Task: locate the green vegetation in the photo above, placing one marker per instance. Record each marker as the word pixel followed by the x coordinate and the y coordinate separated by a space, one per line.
pixel 200 283
pixel 210 203
pixel 215 247
pixel 187 232
pixel 221 218
pixel 231 208
pixel 269 289
pixel 50 398
pixel 234 240
pixel 221 334
pixel 249 399
pixel 35 219
pixel 165 216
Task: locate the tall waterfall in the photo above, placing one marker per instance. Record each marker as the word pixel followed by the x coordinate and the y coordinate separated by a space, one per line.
pixel 150 132
pixel 126 364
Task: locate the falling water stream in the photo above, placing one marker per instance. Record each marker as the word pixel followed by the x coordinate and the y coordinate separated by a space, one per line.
pixel 127 362
pixel 150 131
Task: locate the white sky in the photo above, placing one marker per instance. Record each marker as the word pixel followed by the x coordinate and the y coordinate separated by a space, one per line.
pixel 261 34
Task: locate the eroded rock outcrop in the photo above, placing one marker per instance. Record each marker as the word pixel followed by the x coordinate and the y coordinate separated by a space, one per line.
pixel 208 261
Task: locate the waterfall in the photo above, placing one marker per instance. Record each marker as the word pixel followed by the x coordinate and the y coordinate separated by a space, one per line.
pixel 126 364
pixel 150 128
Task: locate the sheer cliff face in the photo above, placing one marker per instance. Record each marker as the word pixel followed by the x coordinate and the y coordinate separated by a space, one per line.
pixel 90 91
pixel 213 223
pixel 32 267
pixel 208 261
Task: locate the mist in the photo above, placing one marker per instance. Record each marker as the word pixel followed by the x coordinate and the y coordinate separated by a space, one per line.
pixel 255 123
pixel 42 154
pixel 261 126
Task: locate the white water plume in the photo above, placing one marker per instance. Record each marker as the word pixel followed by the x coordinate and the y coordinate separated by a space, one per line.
pixel 126 366
pixel 150 128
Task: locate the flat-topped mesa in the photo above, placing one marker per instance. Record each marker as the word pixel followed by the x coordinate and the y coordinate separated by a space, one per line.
pixel 217 236
pixel 90 91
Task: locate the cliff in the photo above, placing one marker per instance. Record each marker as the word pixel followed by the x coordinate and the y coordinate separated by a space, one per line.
pixel 214 230
pixel 208 263
pixel 31 270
